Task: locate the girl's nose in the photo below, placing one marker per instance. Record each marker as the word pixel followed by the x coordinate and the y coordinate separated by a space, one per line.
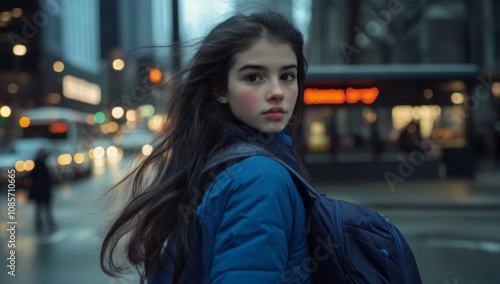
pixel 276 92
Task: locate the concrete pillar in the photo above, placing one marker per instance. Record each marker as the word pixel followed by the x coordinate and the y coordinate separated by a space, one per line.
pixel 327 31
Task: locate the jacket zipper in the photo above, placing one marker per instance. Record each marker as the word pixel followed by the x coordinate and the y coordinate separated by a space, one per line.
pixel 341 230
pixel 342 244
pixel 400 249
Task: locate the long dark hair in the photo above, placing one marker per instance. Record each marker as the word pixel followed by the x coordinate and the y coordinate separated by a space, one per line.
pixel 169 180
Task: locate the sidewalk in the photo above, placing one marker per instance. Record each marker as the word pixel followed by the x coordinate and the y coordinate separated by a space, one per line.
pixel 482 193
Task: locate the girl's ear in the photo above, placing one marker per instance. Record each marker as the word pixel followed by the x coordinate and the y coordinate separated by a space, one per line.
pixel 220 96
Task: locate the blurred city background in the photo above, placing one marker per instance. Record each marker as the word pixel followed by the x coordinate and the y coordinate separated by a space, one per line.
pixel 401 114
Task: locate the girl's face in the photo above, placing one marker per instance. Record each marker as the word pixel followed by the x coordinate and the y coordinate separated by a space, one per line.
pixel 262 85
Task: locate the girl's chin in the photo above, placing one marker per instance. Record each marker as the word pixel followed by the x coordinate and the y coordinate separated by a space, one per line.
pixel 273 128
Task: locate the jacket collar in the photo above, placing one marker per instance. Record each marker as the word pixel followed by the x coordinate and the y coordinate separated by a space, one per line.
pixel 268 140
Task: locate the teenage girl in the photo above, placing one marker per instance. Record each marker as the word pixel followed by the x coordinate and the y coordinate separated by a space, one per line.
pixel 244 222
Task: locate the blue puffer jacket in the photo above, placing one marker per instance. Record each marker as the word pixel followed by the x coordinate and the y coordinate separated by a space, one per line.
pixel 252 227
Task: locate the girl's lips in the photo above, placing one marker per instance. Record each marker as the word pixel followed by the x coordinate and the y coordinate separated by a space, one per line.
pixel 275 110
pixel 274 115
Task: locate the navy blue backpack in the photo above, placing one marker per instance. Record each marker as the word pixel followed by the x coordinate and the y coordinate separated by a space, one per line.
pixel 348 243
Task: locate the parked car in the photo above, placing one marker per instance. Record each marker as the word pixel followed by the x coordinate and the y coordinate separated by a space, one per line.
pixel 133 140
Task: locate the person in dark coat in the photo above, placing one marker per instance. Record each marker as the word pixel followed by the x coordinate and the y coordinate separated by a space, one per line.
pixel 410 138
pixel 40 191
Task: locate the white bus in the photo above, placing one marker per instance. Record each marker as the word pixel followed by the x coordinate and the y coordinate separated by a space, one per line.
pixel 65 133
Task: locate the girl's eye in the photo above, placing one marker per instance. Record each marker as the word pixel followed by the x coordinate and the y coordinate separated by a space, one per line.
pixel 288 77
pixel 253 78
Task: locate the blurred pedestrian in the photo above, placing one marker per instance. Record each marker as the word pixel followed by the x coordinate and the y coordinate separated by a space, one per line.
pixel 244 222
pixel 410 138
pixel 40 191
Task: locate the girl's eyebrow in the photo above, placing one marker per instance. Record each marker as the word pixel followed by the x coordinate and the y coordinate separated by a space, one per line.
pixel 260 67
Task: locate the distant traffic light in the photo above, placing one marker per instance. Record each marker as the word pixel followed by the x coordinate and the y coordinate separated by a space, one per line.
pixel 155 75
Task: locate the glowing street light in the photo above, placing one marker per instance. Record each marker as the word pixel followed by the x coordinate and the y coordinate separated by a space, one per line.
pixel 5 16
pixel 495 89
pixel 19 50
pixel 117 112
pixel 5 111
pixel 12 88
pixel 457 98
pixel 118 64
pixel 58 66
pixel 17 13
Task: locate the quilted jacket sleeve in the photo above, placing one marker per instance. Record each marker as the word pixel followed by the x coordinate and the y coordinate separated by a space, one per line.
pixel 253 236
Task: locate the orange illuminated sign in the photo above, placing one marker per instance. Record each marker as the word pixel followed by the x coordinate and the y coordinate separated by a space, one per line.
pixel 339 96
pixel 59 127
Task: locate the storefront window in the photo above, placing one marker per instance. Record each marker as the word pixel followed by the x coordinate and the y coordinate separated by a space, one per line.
pixel 317 129
pixel 450 129
pixel 365 132
pixel 353 129
pixel 426 116
pixel 444 125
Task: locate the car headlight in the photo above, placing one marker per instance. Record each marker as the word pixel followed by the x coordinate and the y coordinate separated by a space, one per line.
pixel 99 152
pixel 20 166
pixel 29 165
pixel 112 152
pixel 147 149
pixel 64 159
pixel 79 158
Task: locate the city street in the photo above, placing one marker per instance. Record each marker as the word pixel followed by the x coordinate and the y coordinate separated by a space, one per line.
pixel 453 244
pixel 71 254
pixel 452 247
pixel 393 105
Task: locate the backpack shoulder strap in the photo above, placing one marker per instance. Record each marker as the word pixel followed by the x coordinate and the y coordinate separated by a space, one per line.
pixel 244 150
